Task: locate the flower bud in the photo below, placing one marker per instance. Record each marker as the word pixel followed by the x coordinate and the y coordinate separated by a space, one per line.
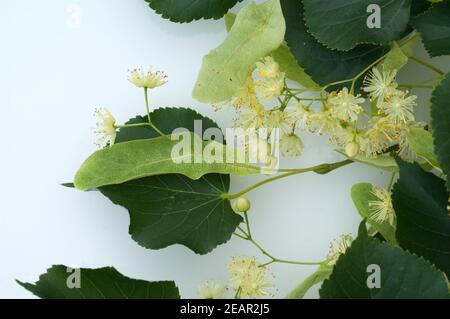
pixel 291 145
pixel 241 205
pixel 352 149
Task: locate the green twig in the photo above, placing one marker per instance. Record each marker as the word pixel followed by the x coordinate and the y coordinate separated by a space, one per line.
pixel 319 169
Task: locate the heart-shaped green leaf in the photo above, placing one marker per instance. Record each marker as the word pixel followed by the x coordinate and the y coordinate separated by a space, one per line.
pixel 423 225
pixel 188 10
pixel 322 64
pixel 172 209
pixel 434 27
pixel 401 275
pixel 343 24
pixel 62 282
pixel 440 123
pixel 257 31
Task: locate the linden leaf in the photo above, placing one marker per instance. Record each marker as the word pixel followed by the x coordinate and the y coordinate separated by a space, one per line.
pixel 100 283
pixel 188 10
pixel 400 274
pixel 343 24
pixel 423 225
pixel 434 27
pixel 173 209
pixel 322 64
pixel 440 123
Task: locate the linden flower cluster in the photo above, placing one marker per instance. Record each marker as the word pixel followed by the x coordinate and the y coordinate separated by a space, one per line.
pixel 341 114
pixel 266 85
pixel 247 278
pixel 388 124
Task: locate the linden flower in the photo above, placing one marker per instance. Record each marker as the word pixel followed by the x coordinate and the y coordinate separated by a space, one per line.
pixel 246 96
pixel 248 277
pixel 322 122
pixel 343 135
pixel 380 85
pixel 291 145
pixel 105 128
pixel 211 290
pixel 258 149
pixel 268 68
pixel 268 89
pixel 282 120
pixel 250 119
pixel 337 248
pixel 382 209
pixel 377 138
pixel 345 106
pixel 399 108
pixel 300 114
pixel 148 80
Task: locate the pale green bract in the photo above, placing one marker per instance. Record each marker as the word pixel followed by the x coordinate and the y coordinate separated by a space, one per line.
pixel 287 62
pixel 384 162
pixel 322 273
pixel 421 143
pixel 141 158
pixel 257 31
pixel 395 59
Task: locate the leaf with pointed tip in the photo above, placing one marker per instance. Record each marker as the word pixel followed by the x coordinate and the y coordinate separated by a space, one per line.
pixel 257 31
pixel 434 28
pixel 343 24
pixel 423 225
pixel 402 275
pixel 189 10
pixel 440 123
pixel 322 64
pixel 173 209
pixel 100 283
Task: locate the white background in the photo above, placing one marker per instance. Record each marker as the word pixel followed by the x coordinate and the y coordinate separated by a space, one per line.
pixel 51 79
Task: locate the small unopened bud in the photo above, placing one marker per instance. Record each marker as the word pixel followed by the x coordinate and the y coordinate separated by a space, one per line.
pixel 352 149
pixel 241 205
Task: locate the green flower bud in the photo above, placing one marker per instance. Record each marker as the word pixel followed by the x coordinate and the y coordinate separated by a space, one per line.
pixel 241 205
pixel 352 149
